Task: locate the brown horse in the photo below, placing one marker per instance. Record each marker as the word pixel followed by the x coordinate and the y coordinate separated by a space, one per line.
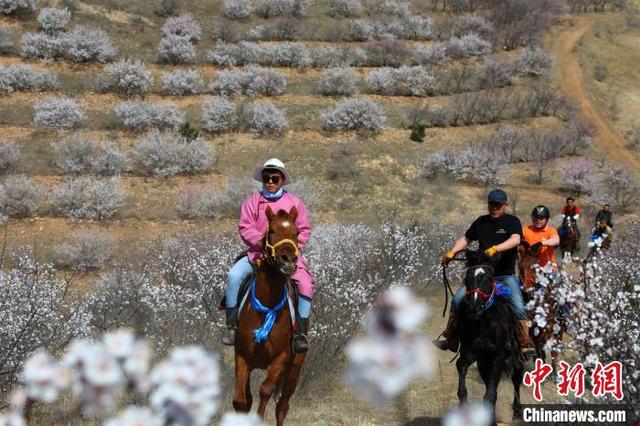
pixel 528 258
pixel 275 354
pixel 568 238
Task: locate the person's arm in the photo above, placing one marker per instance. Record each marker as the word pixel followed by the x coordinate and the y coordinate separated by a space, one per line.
pixel 512 242
pixel 577 215
pixel 460 244
pixel 252 236
pixel 303 225
pixel 552 241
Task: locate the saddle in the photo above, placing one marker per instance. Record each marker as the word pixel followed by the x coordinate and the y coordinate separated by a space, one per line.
pixel 243 295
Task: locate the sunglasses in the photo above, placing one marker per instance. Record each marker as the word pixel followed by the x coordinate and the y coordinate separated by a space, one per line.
pixel 271 179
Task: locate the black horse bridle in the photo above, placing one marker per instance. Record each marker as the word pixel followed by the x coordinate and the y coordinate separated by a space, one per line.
pixel 447 283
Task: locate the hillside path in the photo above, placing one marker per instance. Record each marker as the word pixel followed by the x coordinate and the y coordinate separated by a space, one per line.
pixel 572 83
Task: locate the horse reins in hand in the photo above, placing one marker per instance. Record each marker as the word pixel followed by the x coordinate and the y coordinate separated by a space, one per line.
pixel 447 284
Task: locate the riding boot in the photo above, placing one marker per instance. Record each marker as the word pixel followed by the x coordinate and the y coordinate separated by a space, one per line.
pixel 522 333
pixel 300 339
pixel 450 341
pixel 229 336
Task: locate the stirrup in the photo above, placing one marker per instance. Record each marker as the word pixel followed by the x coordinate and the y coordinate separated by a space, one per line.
pixel 300 339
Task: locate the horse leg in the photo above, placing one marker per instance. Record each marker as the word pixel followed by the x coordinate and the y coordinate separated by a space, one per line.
pixel 242 395
pixel 274 374
pixel 290 381
pixel 516 379
pixel 490 372
pixel 462 364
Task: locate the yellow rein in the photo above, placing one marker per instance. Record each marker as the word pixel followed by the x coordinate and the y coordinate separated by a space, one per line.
pixel 279 243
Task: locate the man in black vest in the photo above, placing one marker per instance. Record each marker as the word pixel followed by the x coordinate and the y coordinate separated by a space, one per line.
pixel 496 232
pixel 605 214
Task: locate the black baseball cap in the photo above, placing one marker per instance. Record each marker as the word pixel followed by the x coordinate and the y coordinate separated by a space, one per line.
pixel 497 196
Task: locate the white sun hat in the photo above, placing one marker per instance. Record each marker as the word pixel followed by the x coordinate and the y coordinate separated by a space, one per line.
pixel 272 164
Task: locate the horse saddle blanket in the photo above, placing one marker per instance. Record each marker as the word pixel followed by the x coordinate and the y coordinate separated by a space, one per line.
pixel 244 292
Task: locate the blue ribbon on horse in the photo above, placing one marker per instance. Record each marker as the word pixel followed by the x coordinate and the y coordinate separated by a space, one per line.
pixel 261 334
pixel 499 290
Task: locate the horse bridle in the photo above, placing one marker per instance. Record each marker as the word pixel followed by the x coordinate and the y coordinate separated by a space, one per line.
pixel 447 283
pixel 477 290
pixel 272 248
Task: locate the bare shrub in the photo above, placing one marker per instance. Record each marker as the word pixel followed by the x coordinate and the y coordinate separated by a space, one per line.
pixel 8 7
pixel 53 20
pixel 86 43
pixel 496 73
pixel 44 46
pixel 164 154
pixel 20 196
pixel 390 53
pixel 360 30
pixel 175 49
pixel 285 54
pixel 125 76
pixel 534 62
pixel 57 114
pixel 201 202
pixel 184 25
pixel 25 78
pixel 88 198
pixel 265 118
pixel 362 115
pixel 138 116
pixel 233 54
pixel 6 40
pixel 251 81
pixel 338 81
pixel 85 250
pixel 403 81
pixel 519 23
pixel 430 55
pixel 110 160
pixel 10 154
pixel 472 23
pixel 78 155
pixel 472 166
pixel 272 8
pixel 182 82
pixel 238 9
pixel 327 57
pixel 75 156
pixel 347 8
pixel 219 115
pixel 468 45
pixel 167 7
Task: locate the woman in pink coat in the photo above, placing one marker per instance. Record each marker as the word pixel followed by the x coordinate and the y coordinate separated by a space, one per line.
pixel 252 227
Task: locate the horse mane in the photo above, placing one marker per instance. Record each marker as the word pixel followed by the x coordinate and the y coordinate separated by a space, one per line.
pixel 477 257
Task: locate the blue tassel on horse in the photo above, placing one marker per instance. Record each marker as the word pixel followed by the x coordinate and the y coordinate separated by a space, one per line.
pixel 499 289
pixel 261 334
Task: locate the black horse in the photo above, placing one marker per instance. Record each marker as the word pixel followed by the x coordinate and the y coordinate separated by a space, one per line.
pixel 487 333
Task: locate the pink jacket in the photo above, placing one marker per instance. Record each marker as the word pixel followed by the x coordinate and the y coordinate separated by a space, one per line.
pixel 253 221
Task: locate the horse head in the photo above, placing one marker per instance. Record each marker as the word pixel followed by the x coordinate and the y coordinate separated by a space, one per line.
pixel 569 224
pixel 528 256
pixel 281 241
pixel 479 282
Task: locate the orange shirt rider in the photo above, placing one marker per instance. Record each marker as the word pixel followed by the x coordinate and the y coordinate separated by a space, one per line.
pixel 533 235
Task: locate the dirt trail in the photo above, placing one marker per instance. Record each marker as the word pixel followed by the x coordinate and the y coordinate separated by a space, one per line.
pixel 609 141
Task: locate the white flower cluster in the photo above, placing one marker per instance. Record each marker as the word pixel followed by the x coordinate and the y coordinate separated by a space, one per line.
pixel 393 352
pixel 183 389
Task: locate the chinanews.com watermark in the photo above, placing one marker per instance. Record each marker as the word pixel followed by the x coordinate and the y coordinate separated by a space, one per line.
pixel 605 380
pixel 584 414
